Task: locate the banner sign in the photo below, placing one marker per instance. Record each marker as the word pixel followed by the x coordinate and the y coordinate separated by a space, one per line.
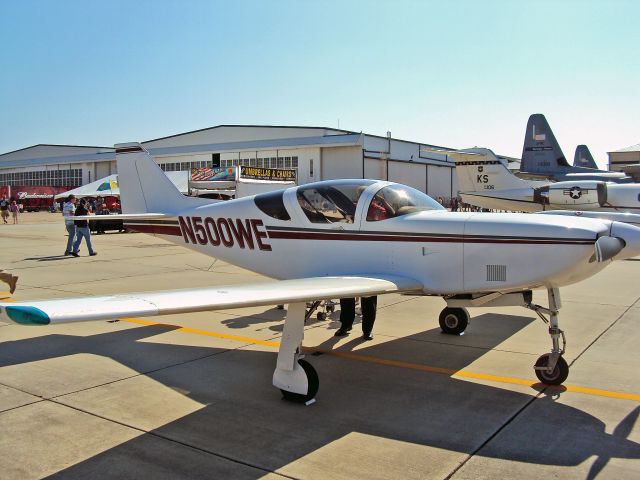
pixel 213 174
pixel 37 192
pixel 272 174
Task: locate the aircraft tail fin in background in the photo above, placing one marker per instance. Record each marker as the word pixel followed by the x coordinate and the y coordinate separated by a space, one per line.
pixel 583 158
pixel 479 170
pixel 541 152
pixel 144 188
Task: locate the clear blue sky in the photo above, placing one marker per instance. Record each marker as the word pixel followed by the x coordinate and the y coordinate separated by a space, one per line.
pixel 455 73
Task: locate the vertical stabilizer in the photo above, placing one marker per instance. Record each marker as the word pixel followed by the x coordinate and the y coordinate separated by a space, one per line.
pixel 480 170
pixel 541 152
pixel 144 188
pixel 583 158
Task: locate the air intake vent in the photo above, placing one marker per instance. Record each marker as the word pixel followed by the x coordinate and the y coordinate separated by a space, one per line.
pixel 496 273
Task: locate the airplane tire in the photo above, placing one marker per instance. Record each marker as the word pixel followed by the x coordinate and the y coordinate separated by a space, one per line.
pixel 559 374
pixel 454 320
pixel 321 316
pixel 313 381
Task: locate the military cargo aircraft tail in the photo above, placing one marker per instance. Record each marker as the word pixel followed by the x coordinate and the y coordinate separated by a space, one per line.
pixel 583 158
pixel 541 152
pixel 542 156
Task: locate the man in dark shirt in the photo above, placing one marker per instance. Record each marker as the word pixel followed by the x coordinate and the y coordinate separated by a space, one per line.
pixel 4 208
pixel 82 230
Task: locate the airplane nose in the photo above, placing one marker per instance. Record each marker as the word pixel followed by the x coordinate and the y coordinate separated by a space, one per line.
pixel 630 235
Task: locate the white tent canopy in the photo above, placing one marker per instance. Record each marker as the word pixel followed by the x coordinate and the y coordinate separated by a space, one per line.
pixel 108 186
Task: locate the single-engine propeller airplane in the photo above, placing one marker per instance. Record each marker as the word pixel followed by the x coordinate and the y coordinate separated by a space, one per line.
pixel 345 238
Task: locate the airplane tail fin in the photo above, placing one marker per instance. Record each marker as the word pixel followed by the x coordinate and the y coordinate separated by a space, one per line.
pixel 144 188
pixel 583 158
pixel 541 152
pixel 480 170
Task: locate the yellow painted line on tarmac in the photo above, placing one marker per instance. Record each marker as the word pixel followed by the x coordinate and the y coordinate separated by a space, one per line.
pixel 197 331
pixel 479 376
pixel 397 363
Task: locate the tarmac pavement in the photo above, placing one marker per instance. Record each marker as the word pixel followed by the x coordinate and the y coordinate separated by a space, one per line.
pixel 190 396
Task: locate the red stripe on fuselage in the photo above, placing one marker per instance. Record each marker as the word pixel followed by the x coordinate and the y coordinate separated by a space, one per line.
pixel 157 229
pixel 301 235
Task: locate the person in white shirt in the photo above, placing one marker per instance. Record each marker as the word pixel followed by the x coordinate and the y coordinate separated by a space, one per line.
pixel 68 212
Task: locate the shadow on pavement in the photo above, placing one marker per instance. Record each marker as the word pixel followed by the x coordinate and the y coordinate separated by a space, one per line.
pixel 245 430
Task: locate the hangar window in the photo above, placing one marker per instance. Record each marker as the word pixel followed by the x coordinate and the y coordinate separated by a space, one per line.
pixel 272 204
pixel 397 200
pixel 331 202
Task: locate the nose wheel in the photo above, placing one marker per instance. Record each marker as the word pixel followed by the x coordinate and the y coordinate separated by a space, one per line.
pixel 554 376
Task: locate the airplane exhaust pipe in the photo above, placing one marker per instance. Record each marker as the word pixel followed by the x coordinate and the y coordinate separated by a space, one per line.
pixel 608 247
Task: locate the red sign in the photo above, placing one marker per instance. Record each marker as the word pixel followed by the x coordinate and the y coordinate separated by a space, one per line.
pixel 38 197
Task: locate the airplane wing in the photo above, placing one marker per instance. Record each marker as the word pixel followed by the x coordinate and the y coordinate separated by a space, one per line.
pixel 124 216
pixel 47 312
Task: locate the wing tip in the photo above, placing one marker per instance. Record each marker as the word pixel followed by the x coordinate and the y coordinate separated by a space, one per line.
pixel 25 315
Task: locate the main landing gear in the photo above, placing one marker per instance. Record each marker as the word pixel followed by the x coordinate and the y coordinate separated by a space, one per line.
pixel 294 376
pixel 454 320
pixel 551 368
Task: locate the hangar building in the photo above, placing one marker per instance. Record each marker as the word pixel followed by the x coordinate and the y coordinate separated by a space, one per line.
pixel 317 153
pixel 626 160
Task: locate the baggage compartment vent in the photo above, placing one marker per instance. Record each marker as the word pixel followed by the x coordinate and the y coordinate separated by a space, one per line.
pixel 496 273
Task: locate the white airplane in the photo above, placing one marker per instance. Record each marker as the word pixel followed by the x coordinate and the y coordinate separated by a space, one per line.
pixel 347 238
pixel 485 181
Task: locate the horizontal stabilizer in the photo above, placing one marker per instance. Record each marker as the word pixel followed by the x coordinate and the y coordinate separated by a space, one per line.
pixel 216 298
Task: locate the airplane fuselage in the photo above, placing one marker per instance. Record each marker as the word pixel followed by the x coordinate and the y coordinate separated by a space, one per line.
pixel 448 252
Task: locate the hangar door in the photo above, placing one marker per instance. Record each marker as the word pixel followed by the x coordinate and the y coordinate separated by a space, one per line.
pixel 410 174
pixel 375 169
pixel 341 162
pixel 439 181
pixel 103 169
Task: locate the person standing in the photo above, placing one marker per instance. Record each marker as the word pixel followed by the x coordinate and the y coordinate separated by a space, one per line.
pixel 82 230
pixel 15 210
pixel 4 209
pixel 348 314
pixel 68 210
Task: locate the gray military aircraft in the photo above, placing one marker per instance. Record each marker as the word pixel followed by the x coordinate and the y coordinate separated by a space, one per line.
pixel 542 157
pixel 583 158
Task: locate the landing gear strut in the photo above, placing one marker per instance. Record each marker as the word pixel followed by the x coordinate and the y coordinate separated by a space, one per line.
pixel 295 377
pixel 551 368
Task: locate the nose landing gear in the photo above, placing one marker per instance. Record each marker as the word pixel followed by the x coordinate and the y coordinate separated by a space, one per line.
pixel 551 368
